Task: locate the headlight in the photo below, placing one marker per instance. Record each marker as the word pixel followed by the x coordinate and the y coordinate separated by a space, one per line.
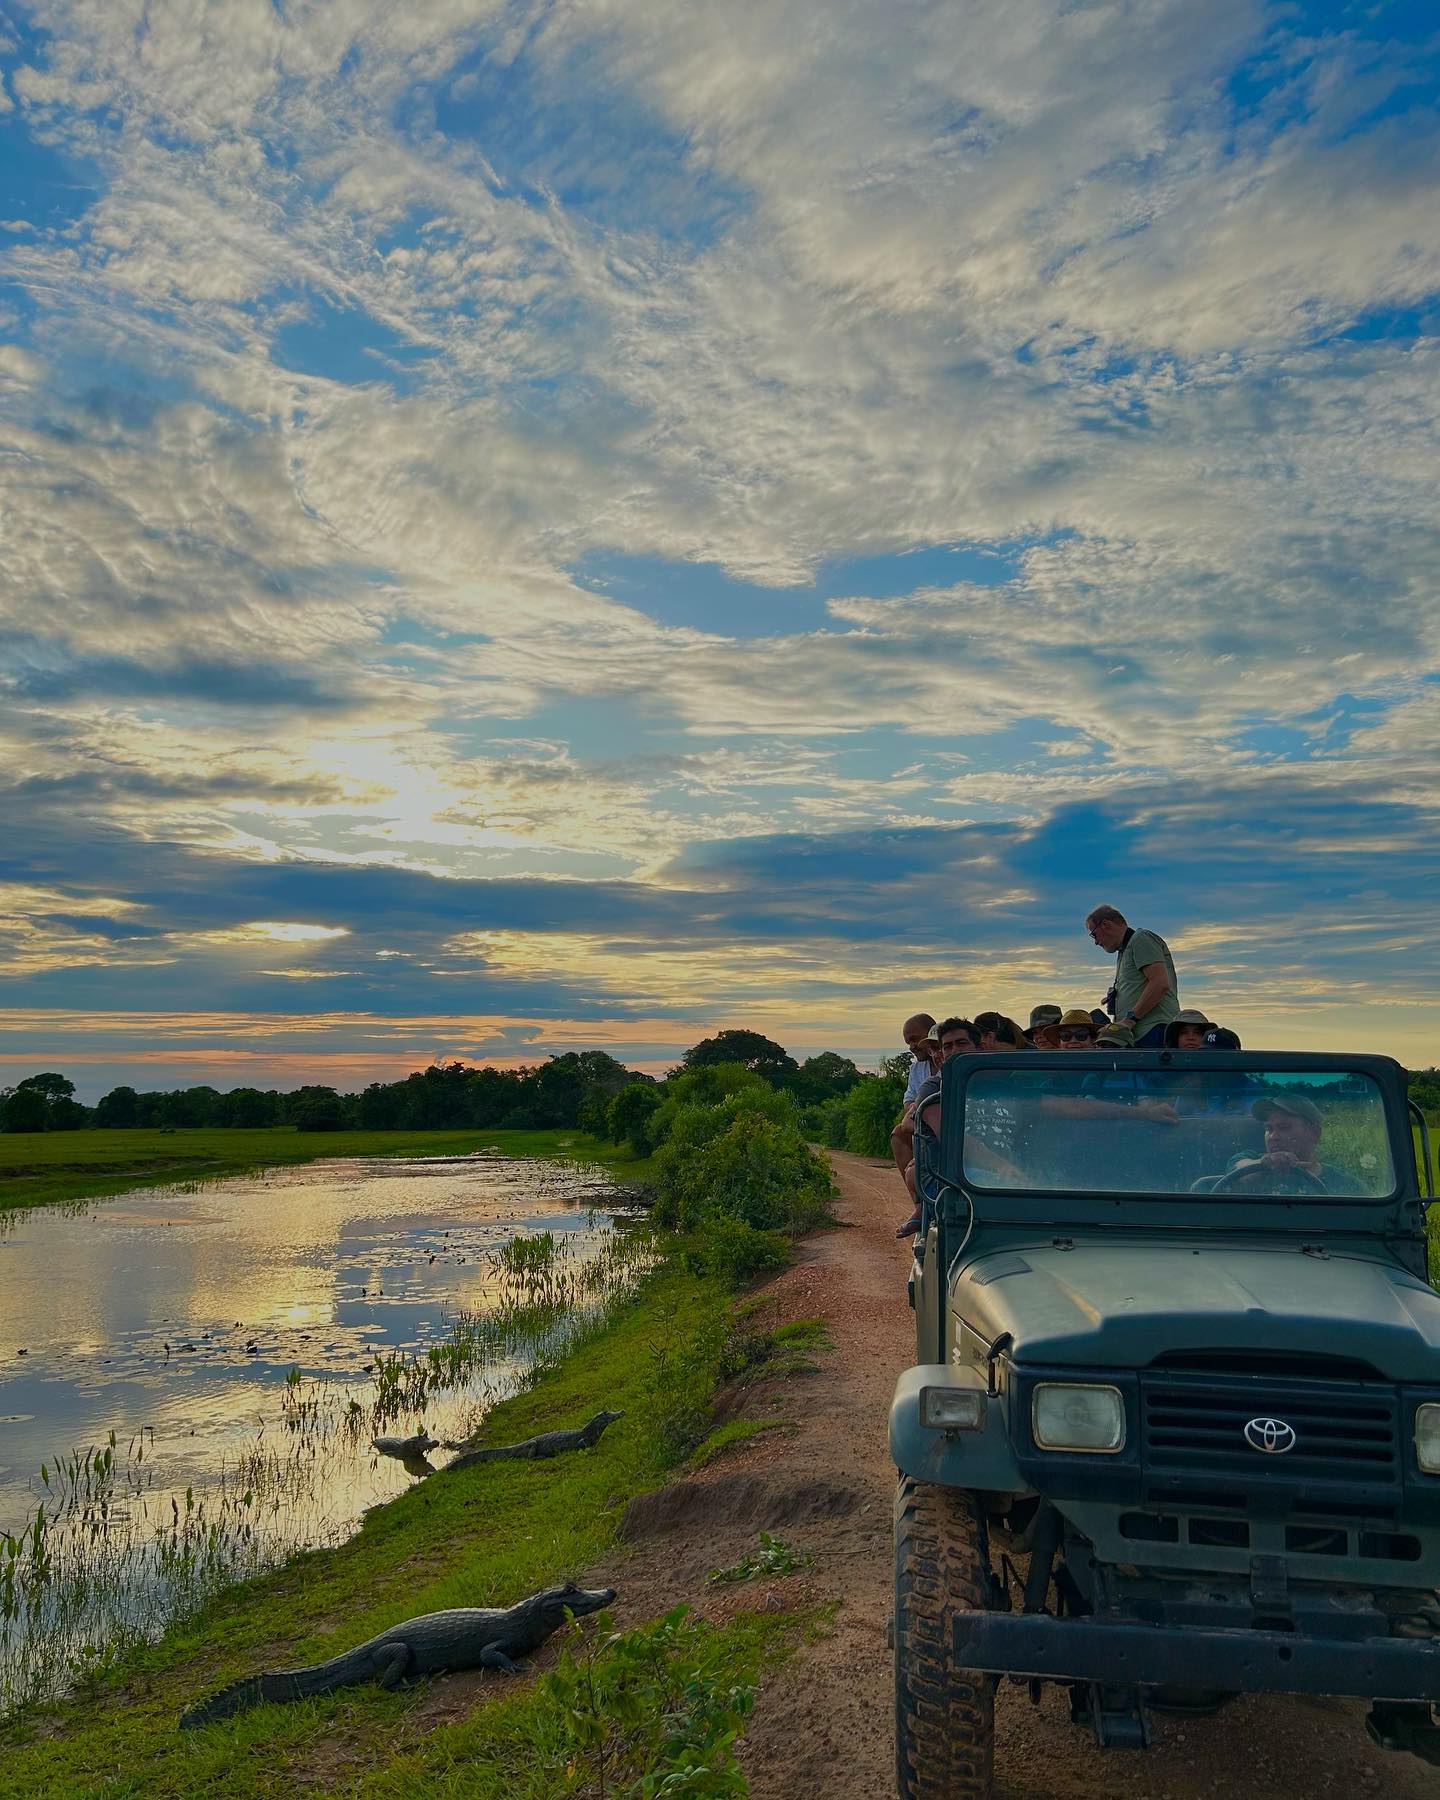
pixel 1068 1416
pixel 952 1408
pixel 1427 1437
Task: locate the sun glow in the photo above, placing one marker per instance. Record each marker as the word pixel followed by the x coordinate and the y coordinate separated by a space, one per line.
pixel 272 931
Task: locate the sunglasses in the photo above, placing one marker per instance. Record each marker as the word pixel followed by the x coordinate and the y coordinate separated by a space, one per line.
pixel 1075 1037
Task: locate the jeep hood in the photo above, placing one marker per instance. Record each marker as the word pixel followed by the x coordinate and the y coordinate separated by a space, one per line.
pixel 1121 1305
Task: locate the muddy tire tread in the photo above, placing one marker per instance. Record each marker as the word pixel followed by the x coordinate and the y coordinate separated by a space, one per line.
pixel 944 1715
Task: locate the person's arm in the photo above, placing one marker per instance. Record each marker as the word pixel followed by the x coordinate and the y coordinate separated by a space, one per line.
pixel 1157 985
pixel 977 1151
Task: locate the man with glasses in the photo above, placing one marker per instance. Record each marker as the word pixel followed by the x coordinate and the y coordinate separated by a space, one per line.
pixel 1146 995
pixel 1075 1030
pixel 956 1037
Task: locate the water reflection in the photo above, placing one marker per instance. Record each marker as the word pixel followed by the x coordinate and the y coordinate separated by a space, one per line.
pixel 236 1338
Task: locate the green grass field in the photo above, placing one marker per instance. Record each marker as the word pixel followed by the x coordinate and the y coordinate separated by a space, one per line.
pixel 39 1167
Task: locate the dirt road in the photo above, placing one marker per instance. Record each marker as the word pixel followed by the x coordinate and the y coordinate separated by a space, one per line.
pixel 822 1725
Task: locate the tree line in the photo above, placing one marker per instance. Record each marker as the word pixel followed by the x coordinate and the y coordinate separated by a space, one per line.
pixel 575 1088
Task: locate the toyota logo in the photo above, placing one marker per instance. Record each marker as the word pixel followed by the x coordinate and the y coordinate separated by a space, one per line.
pixel 1273 1436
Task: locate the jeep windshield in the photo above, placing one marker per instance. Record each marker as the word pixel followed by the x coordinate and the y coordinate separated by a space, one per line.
pixel 1235 1134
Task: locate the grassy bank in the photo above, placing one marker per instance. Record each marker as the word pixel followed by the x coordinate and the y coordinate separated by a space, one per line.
pixel 483 1536
pixel 37 1168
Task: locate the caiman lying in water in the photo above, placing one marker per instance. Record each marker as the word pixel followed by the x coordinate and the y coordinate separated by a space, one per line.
pixel 467 1637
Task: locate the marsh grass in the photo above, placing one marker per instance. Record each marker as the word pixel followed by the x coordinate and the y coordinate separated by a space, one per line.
pixel 111 1557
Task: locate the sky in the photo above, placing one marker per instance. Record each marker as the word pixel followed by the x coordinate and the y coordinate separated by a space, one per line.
pixel 581 523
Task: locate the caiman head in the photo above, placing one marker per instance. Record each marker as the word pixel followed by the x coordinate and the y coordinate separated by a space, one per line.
pixel 557 1601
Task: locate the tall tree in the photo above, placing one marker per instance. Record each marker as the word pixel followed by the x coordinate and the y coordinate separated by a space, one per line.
pixel 119 1109
pixel 761 1055
pixel 24 1109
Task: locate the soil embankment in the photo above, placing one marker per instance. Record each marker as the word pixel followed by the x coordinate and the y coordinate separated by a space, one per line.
pixel 823 1480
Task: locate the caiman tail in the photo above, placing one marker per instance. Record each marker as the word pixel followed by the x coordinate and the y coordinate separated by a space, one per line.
pixel 285 1685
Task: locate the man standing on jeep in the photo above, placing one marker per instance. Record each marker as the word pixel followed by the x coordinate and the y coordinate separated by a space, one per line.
pixel 1146 995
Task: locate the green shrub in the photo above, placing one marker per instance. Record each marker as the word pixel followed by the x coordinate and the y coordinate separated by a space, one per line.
pixel 823 1122
pixel 657 1710
pixel 746 1158
pixel 628 1116
pixel 830 1120
pixel 871 1109
pixel 704 1087
pixel 732 1251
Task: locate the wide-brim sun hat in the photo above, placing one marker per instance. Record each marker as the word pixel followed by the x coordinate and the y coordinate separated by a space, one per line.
pixel 1189 1016
pixel 1076 1016
pixel 1042 1018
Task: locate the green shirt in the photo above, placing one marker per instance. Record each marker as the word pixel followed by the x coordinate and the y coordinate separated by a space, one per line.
pixel 1145 947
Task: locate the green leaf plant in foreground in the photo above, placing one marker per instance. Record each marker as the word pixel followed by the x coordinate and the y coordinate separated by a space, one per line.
pixel 774 1557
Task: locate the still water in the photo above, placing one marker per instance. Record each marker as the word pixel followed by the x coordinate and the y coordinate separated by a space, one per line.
pixel 241 1341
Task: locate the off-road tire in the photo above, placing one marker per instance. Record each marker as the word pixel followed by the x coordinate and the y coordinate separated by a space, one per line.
pixel 944 1715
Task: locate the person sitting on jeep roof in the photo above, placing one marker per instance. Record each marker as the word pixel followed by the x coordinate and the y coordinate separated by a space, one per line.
pixel 916 1031
pixel 1044 1023
pixel 1293 1128
pixel 999 1032
pixel 1186 1031
pixel 954 1037
pixel 1075 1030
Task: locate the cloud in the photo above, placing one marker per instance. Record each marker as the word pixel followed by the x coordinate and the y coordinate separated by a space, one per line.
pixel 360 334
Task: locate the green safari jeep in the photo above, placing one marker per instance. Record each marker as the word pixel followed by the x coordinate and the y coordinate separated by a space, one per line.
pixel 1173 1429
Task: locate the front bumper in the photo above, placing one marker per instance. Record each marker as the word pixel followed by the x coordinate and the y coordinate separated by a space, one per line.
pixel 1264 1662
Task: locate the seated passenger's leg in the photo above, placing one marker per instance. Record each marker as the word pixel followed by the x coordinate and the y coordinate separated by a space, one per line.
pixel 902 1142
pixel 912 1224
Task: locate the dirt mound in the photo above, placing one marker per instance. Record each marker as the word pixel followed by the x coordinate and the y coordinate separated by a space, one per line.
pixel 736 1502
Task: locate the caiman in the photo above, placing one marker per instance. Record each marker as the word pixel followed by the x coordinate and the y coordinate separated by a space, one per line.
pixel 406 1449
pixel 548 1443
pixel 466 1637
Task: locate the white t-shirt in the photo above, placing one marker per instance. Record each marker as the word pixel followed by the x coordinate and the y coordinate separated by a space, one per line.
pixel 920 1073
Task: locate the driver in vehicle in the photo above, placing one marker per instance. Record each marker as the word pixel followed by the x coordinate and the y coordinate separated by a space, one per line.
pixel 1290 1163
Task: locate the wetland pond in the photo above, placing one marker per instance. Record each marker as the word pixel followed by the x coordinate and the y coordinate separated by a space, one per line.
pixel 190 1378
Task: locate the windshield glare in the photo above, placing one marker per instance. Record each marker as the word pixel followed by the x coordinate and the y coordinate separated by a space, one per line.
pixel 1236 1135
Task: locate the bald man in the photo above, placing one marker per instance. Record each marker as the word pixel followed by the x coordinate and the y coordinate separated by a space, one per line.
pixel 926 1052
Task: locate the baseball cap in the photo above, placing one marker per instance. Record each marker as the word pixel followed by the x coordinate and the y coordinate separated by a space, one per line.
pixel 1289 1103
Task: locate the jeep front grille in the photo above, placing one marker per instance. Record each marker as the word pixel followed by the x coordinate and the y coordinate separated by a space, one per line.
pixel 1346 1433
